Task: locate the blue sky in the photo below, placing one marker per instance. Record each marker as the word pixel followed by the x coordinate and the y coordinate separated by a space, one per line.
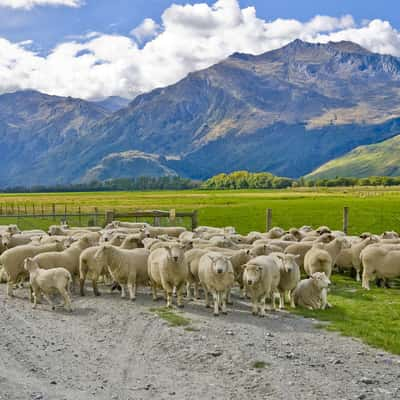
pixel 47 25
pixel 98 48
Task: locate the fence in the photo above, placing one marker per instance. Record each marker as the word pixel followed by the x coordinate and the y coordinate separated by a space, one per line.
pixel 30 216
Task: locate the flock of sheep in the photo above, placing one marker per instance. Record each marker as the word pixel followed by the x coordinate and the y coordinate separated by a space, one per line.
pixel 179 262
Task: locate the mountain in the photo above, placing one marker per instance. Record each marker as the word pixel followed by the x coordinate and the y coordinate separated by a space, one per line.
pixel 381 159
pixel 129 164
pixel 113 103
pixel 287 111
pixel 33 123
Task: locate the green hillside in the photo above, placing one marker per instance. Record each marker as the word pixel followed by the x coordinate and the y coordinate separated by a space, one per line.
pixel 382 159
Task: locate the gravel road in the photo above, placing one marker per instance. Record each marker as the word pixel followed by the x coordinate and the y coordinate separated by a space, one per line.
pixel 110 348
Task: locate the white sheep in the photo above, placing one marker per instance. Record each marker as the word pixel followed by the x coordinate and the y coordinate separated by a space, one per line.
pixel 289 278
pixel 47 281
pixel 127 267
pixel 167 270
pixel 311 293
pixel 68 258
pixel 261 278
pixel 13 261
pixel 9 241
pixel 216 276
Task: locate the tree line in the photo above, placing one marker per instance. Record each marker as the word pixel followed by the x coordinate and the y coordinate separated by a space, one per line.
pixel 234 180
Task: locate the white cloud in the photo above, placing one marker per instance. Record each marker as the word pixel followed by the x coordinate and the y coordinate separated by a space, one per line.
pixel 189 38
pixel 146 30
pixel 28 4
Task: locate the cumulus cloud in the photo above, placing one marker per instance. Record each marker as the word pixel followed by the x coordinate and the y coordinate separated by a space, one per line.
pixel 28 4
pixel 188 38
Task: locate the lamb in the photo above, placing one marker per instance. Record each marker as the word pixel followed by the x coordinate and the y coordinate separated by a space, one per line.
pixel 47 281
pixel 311 293
pixel 68 259
pixel 127 267
pixel 167 270
pixel 261 278
pixel 216 275
pixel 13 261
pixel 289 278
pixel 379 262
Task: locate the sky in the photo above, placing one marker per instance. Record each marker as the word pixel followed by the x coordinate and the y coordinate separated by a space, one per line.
pixel 98 48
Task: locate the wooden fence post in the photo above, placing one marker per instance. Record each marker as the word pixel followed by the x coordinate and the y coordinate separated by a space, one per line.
pixel 346 220
pixel 96 212
pixel 109 217
pixel 79 216
pixel 194 220
pixel 54 211
pixel 269 219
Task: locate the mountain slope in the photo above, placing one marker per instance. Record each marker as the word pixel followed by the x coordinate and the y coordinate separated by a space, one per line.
pixel 129 164
pixel 382 159
pixel 113 103
pixel 287 111
pixel 31 124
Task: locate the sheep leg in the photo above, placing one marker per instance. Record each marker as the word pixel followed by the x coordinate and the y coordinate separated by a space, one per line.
pixel 223 298
pixel 123 293
pixel 132 290
pixel 272 299
pixel 67 300
pixel 53 307
pixel 34 300
pixel 365 281
pixel 263 305
pixel 95 289
pixel 196 291
pixel 324 299
pixel 358 276
pixel 242 292
pixel 282 300
pixel 179 295
pixel 228 297
pixel 10 289
pixel 206 297
pixel 189 291
pixel 154 291
pixel 254 302
pixel 292 303
pixel 82 286
pixel 216 302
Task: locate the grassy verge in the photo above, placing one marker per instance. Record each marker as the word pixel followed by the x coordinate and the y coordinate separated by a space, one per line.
pixel 372 316
pixel 171 316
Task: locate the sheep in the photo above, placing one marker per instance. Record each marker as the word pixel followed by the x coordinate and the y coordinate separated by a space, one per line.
pixel 289 278
pixel 131 225
pixel 323 229
pixel 168 230
pixel 301 248
pixel 167 269
pixel 262 250
pixel 379 262
pixel 126 267
pixel 10 241
pixel 311 293
pixel 3 275
pixel 318 259
pixel 350 257
pixel 13 261
pixel 297 233
pixel 88 264
pixel 68 259
pixel 191 259
pixel 216 275
pixel 47 281
pixel 114 238
pixel 261 278
pixel 274 233
pixel 389 235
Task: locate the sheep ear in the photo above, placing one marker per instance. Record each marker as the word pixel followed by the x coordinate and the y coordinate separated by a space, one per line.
pixel 248 251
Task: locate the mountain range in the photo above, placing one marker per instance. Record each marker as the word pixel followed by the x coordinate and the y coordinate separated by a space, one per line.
pixel 288 111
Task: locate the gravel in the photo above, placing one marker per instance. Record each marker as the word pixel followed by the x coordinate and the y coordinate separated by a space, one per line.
pixel 111 348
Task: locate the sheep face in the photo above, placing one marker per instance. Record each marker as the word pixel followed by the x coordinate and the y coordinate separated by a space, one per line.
pixel 289 262
pixel 220 265
pixel 323 229
pixel 175 254
pixel 6 239
pixel 320 280
pixel 252 274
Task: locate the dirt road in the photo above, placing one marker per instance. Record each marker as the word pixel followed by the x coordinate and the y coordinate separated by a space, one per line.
pixel 112 349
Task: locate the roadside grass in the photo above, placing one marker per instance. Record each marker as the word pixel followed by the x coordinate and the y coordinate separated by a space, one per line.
pixel 172 317
pixel 259 365
pixel 372 316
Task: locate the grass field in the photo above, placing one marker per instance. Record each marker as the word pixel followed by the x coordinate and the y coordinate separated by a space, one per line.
pixel 372 316
pixel 370 209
